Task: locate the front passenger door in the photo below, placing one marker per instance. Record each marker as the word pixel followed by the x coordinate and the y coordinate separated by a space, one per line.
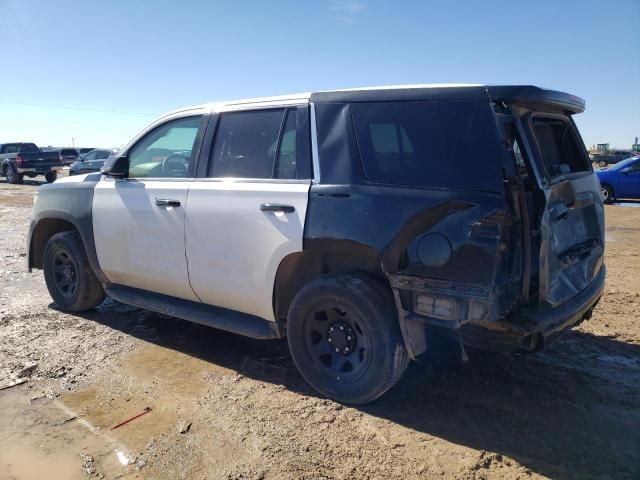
pixel 139 221
pixel 629 180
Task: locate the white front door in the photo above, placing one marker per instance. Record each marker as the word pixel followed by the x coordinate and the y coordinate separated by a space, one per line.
pixel 249 215
pixel 139 222
pixel 139 237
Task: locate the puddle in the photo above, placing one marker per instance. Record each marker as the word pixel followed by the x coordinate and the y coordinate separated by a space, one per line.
pixel 47 438
pixel 41 439
pixel 154 377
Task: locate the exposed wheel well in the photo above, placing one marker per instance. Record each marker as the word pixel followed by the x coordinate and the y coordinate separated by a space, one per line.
pixel 43 231
pixel 299 268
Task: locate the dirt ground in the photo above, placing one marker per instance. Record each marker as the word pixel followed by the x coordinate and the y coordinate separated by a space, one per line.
pixel 225 407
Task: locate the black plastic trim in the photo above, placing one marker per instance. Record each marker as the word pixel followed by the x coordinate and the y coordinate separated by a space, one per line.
pixel 71 202
pixel 211 316
pixel 207 146
pixel 303 143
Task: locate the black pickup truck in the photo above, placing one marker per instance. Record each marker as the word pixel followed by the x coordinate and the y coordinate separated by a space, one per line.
pixel 20 159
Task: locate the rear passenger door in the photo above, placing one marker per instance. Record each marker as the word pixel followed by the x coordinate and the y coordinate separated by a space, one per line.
pixel 248 213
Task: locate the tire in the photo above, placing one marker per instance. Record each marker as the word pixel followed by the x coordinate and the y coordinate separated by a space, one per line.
pixel 71 283
pixel 602 164
pixel 50 177
pixel 12 175
pixel 606 192
pixel 350 314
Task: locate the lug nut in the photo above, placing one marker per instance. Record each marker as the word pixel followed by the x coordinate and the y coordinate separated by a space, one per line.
pixel 337 350
pixel 348 337
pixel 341 327
pixel 346 349
pixel 329 339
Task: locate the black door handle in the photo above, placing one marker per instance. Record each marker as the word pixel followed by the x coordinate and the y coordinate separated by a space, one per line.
pixel 276 207
pixel 166 202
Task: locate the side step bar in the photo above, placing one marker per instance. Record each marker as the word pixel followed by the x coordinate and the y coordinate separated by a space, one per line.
pixel 217 317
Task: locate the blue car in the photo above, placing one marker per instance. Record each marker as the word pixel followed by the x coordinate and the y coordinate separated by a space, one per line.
pixel 622 180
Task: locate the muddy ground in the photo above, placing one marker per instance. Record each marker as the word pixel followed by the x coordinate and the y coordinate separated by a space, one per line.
pixel 225 407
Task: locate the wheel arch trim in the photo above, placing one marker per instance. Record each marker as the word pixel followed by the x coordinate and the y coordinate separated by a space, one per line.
pixel 70 203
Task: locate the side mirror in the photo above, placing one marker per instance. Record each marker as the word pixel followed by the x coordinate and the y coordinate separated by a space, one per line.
pixel 116 166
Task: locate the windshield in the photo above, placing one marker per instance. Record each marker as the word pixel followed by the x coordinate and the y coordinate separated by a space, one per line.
pixel 626 162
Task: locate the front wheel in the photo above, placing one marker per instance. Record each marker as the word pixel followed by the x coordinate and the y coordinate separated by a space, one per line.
pixel 345 339
pixel 606 193
pixel 50 177
pixel 69 278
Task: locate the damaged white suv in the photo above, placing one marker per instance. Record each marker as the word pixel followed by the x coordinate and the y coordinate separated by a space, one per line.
pixel 352 222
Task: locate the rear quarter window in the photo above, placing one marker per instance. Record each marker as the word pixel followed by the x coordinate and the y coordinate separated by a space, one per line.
pixel 450 144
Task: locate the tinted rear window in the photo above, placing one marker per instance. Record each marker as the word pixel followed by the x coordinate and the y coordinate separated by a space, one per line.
pixel 19 147
pixel 449 144
pixel 68 152
pixel 559 147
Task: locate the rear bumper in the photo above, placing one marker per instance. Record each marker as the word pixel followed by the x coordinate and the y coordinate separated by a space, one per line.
pixel 531 329
pixel 39 169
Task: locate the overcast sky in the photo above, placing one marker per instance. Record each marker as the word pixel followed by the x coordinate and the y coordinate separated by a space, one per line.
pixel 99 71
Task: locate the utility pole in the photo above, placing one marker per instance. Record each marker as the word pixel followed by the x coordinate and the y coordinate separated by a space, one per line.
pixel 73 142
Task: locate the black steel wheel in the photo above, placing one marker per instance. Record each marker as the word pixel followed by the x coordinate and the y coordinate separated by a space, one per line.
pixel 69 278
pixel 344 336
pixel 338 340
pixel 50 177
pixel 65 273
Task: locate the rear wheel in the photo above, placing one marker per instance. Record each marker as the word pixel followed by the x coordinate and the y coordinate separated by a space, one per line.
pixel 69 278
pixel 602 163
pixel 12 175
pixel 50 177
pixel 345 339
pixel 607 193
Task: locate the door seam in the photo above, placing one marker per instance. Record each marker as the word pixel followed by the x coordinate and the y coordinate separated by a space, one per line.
pixel 184 233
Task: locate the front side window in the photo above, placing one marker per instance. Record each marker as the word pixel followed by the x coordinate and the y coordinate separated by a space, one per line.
pixel 102 155
pixel 255 144
pixel 90 156
pixel 166 151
